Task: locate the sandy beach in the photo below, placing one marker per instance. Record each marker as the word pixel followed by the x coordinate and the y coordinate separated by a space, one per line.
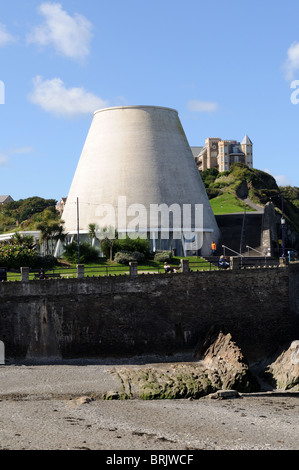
pixel 58 407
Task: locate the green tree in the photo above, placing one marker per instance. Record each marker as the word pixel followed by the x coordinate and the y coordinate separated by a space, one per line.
pixel 50 230
pixel 108 237
pixel 26 240
pixel 92 233
pixel 88 254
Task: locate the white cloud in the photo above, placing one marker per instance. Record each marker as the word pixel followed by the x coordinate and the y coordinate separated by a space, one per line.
pixel 70 35
pixel 292 62
pixel 5 157
pixel 22 150
pixel 281 180
pixel 5 37
pixel 53 96
pixel 202 106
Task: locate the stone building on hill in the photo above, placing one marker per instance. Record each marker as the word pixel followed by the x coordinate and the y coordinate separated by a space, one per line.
pixel 221 154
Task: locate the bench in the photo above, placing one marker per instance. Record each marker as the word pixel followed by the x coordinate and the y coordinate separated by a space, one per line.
pixel 47 276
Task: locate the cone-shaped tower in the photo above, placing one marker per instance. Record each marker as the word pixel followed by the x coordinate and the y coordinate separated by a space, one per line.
pixel 137 172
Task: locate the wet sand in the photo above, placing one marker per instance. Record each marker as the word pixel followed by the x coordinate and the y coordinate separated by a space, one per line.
pixel 58 407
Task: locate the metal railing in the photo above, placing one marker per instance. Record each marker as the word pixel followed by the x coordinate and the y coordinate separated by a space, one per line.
pixel 202 266
pixel 268 259
pixel 233 251
pixel 253 249
pixel 264 255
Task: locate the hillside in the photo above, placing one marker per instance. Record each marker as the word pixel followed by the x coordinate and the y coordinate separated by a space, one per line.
pixel 232 191
pixel 25 214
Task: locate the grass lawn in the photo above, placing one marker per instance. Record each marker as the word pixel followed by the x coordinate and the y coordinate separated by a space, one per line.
pixel 106 268
pixel 227 203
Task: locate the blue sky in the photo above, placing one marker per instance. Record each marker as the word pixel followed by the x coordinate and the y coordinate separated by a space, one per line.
pixel 227 67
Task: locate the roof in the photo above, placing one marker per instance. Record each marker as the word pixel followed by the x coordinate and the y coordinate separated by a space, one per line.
pixel 5 198
pixel 197 150
pixel 246 140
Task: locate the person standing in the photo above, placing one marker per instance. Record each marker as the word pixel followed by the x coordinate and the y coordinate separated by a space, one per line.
pixel 213 246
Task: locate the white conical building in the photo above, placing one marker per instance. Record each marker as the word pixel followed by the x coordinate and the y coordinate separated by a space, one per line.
pixel 137 174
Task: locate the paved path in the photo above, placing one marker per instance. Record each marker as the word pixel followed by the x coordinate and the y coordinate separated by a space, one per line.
pixel 254 206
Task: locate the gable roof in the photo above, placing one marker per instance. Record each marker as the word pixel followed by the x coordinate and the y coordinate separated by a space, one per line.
pixel 4 199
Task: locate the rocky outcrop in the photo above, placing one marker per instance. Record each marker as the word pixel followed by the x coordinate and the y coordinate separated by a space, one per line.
pixel 283 372
pixel 219 364
pixel 224 361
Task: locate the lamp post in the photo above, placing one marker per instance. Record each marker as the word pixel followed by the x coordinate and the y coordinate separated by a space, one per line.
pixel 78 230
pixel 282 221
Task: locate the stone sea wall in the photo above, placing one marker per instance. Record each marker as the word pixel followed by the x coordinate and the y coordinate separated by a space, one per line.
pixel 149 314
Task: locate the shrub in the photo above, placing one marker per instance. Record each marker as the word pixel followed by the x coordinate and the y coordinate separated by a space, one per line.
pixel 16 256
pixel 88 253
pixel 128 245
pixel 219 184
pixel 139 257
pixel 213 192
pixel 133 245
pixel 125 257
pixel 208 176
pixel 162 256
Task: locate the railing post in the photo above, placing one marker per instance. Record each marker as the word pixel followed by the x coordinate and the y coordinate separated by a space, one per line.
pixel 133 268
pixel 80 271
pixel 282 262
pixel 25 274
pixel 185 266
pixel 3 274
pixel 234 263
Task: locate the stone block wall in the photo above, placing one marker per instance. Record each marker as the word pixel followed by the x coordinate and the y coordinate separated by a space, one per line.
pixel 146 314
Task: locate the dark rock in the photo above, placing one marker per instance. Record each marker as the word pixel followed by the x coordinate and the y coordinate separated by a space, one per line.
pixel 283 371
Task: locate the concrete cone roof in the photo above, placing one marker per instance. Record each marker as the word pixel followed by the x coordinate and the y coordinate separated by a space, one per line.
pixel 139 153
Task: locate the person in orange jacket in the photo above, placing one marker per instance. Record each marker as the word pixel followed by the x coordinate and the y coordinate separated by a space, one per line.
pixel 213 246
